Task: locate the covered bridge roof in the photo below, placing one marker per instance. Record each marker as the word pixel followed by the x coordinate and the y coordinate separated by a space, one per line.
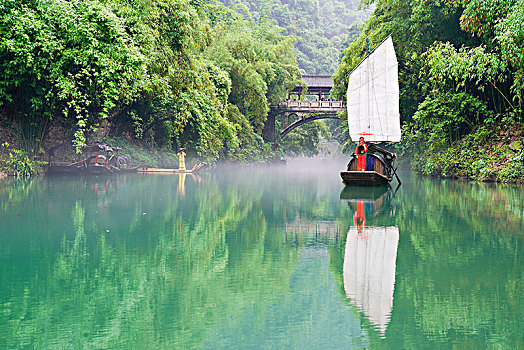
pixel 317 84
pixel 318 80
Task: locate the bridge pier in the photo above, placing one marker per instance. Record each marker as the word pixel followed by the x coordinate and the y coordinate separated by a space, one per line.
pixel 269 131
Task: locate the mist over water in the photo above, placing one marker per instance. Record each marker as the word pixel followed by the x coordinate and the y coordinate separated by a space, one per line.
pixel 279 256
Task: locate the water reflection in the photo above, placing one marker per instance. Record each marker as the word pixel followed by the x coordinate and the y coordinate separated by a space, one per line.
pixel 255 258
pixel 370 255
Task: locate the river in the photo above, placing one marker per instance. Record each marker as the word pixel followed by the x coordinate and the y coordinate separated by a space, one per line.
pixel 260 257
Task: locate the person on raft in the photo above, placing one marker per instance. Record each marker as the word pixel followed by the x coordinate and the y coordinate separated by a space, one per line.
pixel 182 159
pixel 360 152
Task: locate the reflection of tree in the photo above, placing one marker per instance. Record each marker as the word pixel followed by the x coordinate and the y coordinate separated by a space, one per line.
pixel 454 210
pixel 460 270
pixel 133 265
pixel 459 267
pixel 15 191
pixel 196 265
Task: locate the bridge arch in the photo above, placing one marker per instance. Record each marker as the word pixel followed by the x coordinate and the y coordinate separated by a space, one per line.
pixel 308 118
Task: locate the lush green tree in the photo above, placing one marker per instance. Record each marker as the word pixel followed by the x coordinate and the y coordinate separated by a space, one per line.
pixel 169 73
pixel 304 139
pixel 73 58
pixel 322 27
pixel 460 73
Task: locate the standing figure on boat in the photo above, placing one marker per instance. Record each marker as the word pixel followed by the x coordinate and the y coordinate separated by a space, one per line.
pixel 360 152
pixel 182 159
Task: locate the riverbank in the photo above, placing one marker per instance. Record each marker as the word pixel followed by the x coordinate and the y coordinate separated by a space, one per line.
pixel 494 156
pixel 497 157
pixel 58 147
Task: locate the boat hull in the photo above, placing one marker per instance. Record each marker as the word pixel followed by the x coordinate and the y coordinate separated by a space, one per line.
pixel 364 178
pixel 73 170
pixel 63 170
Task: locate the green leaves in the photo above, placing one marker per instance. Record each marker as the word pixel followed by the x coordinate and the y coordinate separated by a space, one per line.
pixel 510 35
pixel 167 72
pixel 72 57
pixel 17 163
pixel 444 64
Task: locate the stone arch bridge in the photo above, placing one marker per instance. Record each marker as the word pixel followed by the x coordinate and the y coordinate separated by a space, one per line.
pixel 319 87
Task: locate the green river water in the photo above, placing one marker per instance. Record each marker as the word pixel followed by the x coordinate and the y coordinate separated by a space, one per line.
pixel 260 258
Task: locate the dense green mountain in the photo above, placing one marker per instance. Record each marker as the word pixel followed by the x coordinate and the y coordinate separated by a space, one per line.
pixel 323 28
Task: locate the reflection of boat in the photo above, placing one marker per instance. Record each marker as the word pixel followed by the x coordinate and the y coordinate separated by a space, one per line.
pixel 375 200
pixel 370 254
pixel 369 271
pixel 363 193
pixel 373 113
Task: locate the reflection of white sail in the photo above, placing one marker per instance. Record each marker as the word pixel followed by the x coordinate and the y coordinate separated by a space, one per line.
pixel 369 271
pixel 373 97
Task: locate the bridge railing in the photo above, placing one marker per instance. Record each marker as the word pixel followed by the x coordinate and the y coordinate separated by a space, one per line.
pixel 312 104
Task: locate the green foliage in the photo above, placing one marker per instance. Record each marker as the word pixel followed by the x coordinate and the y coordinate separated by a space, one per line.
pixel 479 155
pixel 17 163
pixel 455 88
pixel 446 118
pixel 514 168
pixel 83 68
pixel 169 73
pixel 510 36
pixel 304 139
pixel 322 28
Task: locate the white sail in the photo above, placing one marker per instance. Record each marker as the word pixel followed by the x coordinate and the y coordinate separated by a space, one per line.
pixel 373 97
pixel 369 272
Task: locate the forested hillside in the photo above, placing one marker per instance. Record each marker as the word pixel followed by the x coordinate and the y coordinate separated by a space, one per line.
pixel 461 74
pixel 168 73
pixel 323 27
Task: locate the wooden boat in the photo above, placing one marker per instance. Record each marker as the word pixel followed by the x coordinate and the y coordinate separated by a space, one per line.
pixel 68 169
pixel 379 169
pixel 94 163
pixel 373 113
pixel 57 169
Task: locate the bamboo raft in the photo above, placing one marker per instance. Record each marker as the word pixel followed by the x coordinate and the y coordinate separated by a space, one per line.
pixel 145 170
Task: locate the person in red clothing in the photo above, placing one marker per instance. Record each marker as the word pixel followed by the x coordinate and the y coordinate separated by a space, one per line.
pixel 360 152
